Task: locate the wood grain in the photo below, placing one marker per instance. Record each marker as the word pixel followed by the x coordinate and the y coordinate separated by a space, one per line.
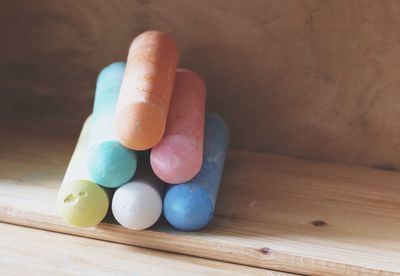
pixel 30 250
pixel 273 212
pixel 307 78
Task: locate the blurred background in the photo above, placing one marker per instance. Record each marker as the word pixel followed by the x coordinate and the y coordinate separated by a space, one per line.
pixel 313 79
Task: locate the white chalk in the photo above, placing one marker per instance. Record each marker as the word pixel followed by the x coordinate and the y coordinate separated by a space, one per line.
pixel 137 205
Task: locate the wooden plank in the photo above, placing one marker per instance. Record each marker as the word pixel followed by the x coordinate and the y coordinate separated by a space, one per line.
pixel 273 212
pixel 26 250
pixel 307 78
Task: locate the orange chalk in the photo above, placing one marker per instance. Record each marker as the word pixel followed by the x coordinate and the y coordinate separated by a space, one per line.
pixel 144 99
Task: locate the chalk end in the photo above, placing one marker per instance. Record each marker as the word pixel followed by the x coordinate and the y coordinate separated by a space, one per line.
pixel 136 205
pixel 139 126
pixel 111 165
pixel 82 203
pixel 188 207
pixel 177 159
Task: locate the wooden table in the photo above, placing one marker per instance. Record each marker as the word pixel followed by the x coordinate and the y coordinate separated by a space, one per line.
pixel 28 251
pixel 273 212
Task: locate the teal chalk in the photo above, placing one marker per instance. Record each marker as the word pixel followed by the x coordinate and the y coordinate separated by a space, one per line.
pixel 190 206
pixel 110 164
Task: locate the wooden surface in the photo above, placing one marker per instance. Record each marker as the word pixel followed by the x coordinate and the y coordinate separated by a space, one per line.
pixel 272 212
pixel 27 251
pixel 307 78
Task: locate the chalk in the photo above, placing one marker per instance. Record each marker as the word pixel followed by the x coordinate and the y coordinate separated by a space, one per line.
pixel 137 205
pixel 178 157
pixel 143 103
pixel 81 202
pixel 190 206
pixel 110 164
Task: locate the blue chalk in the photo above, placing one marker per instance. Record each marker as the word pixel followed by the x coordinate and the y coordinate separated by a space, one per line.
pixel 190 206
pixel 110 164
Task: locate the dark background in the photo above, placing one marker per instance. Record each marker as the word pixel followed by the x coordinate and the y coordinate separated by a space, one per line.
pixel 315 79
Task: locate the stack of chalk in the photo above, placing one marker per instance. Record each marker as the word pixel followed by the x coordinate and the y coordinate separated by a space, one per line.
pixel 146 104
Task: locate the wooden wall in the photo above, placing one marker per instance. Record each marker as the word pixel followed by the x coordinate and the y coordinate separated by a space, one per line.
pixel 315 79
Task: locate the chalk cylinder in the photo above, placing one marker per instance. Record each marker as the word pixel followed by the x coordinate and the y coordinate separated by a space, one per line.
pixel 179 155
pixel 137 205
pixel 80 201
pixel 190 206
pixel 109 163
pixel 145 95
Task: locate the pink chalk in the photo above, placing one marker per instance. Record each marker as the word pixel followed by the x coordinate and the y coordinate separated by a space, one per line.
pixel 179 155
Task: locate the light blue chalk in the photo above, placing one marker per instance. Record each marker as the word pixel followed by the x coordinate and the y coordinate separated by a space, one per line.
pixel 190 206
pixel 110 164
